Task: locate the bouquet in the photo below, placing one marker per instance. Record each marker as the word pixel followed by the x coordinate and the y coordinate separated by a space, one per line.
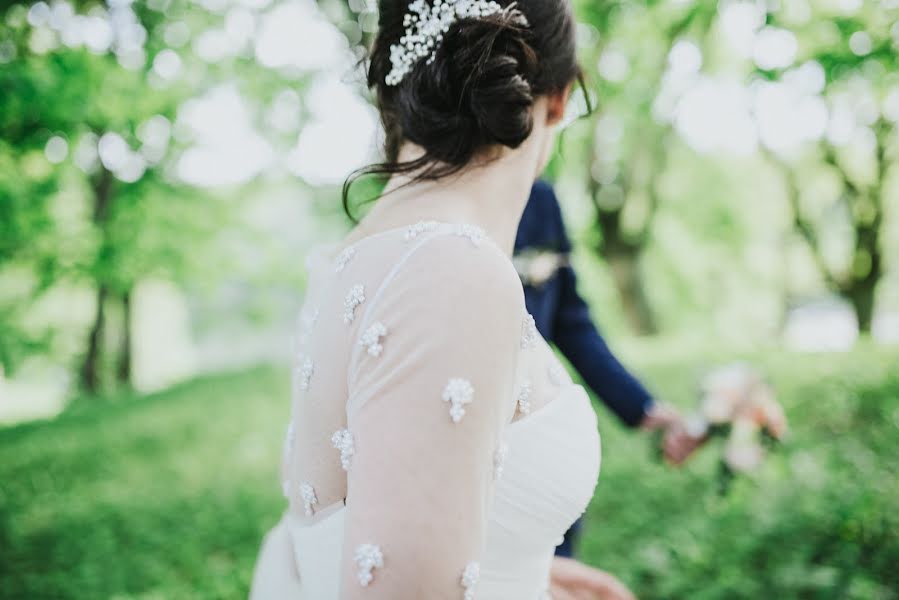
pixel 738 405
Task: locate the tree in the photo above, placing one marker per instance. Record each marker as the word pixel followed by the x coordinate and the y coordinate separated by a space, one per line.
pixel 859 66
pixel 88 98
pixel 628 151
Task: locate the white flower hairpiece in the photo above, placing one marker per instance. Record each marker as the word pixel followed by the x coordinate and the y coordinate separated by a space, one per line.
pixel 425 26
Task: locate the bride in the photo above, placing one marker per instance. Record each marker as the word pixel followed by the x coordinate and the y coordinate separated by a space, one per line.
pixel 437 449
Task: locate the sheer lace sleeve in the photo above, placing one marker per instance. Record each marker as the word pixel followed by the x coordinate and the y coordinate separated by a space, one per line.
pixel 431 387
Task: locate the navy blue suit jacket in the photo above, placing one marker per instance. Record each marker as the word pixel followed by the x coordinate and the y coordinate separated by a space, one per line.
pixel 563 317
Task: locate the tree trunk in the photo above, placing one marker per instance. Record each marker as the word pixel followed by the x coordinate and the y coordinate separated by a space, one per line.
pixel 623 256
pixel 858 285
pixel 862 300
pixel 625 268
pixel 90 368
pixel 123 368
pixel 622 248
pixel 868 268
pixel 867 273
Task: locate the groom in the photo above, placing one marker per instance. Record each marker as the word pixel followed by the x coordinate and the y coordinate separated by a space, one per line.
pixel 563 318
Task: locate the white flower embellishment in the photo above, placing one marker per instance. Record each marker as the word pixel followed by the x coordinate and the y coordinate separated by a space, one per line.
pixel 344 258
pixel 529 332
pixel 371 339
pixel 424 29
pixel 368 557
pixel 472 232
pixel 524 398
pixel 307 493
pixel 470 577
pixel 342 440
pixel 413 231
pixel 499 460
pixel 354 298
pixel 307 369
pixel 458 392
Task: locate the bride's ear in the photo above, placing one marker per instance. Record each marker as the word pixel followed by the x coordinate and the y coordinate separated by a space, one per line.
pixel 556 103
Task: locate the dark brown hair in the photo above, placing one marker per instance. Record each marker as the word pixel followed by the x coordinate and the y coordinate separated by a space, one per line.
pixel 478 90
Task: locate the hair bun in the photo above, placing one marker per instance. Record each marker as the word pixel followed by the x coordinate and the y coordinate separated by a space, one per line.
pixel 475 93
pixel 495 65
pixel 477 87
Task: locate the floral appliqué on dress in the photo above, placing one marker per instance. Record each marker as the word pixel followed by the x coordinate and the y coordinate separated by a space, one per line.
pixel 354 298
pixel 371 339
pixel 458 392
pixel 304 376
pixel 344 258
pixel 470 577
pixel 529 332
pixel 307 493
pixel 368 557
pixel 524 398
pixel 413 231
pixel 499 460
pixel 342 440
pixel 472 232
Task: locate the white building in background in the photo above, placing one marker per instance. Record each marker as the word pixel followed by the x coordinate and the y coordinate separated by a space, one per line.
pixel 830 325
pixel 826 325
pixel 885 327
pixel 164 351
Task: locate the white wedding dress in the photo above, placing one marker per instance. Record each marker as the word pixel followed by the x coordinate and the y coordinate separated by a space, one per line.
pixel 437 449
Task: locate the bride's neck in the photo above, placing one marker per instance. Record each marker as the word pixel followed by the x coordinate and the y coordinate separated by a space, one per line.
pixel 491 194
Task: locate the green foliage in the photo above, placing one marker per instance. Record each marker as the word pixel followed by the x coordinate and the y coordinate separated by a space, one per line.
pixel 674 227
pixel 856 54
pixel 168 496
pixel 159 497
pixel 819 520
pixel 66 221
pixel 629 163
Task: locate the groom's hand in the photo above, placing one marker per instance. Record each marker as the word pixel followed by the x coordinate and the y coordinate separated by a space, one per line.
pixel 573 580
pixel 677 443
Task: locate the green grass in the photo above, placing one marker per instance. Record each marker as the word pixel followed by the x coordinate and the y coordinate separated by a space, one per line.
pixel 820 520
pixel 167 496
pixel 159 497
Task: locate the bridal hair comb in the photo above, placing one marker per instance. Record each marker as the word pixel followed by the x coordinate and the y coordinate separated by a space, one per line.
pixel 425 26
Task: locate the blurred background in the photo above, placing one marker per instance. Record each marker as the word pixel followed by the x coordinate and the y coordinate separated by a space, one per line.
pixel 166 164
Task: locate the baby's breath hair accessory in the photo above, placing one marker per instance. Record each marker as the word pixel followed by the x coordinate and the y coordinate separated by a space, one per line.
pixel 425 26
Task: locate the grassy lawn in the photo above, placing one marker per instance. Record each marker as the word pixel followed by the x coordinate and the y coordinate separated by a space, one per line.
pixel 820 520
pixel 167 496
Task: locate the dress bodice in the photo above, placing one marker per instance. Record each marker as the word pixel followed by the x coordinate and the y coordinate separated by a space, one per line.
pixel 437 448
